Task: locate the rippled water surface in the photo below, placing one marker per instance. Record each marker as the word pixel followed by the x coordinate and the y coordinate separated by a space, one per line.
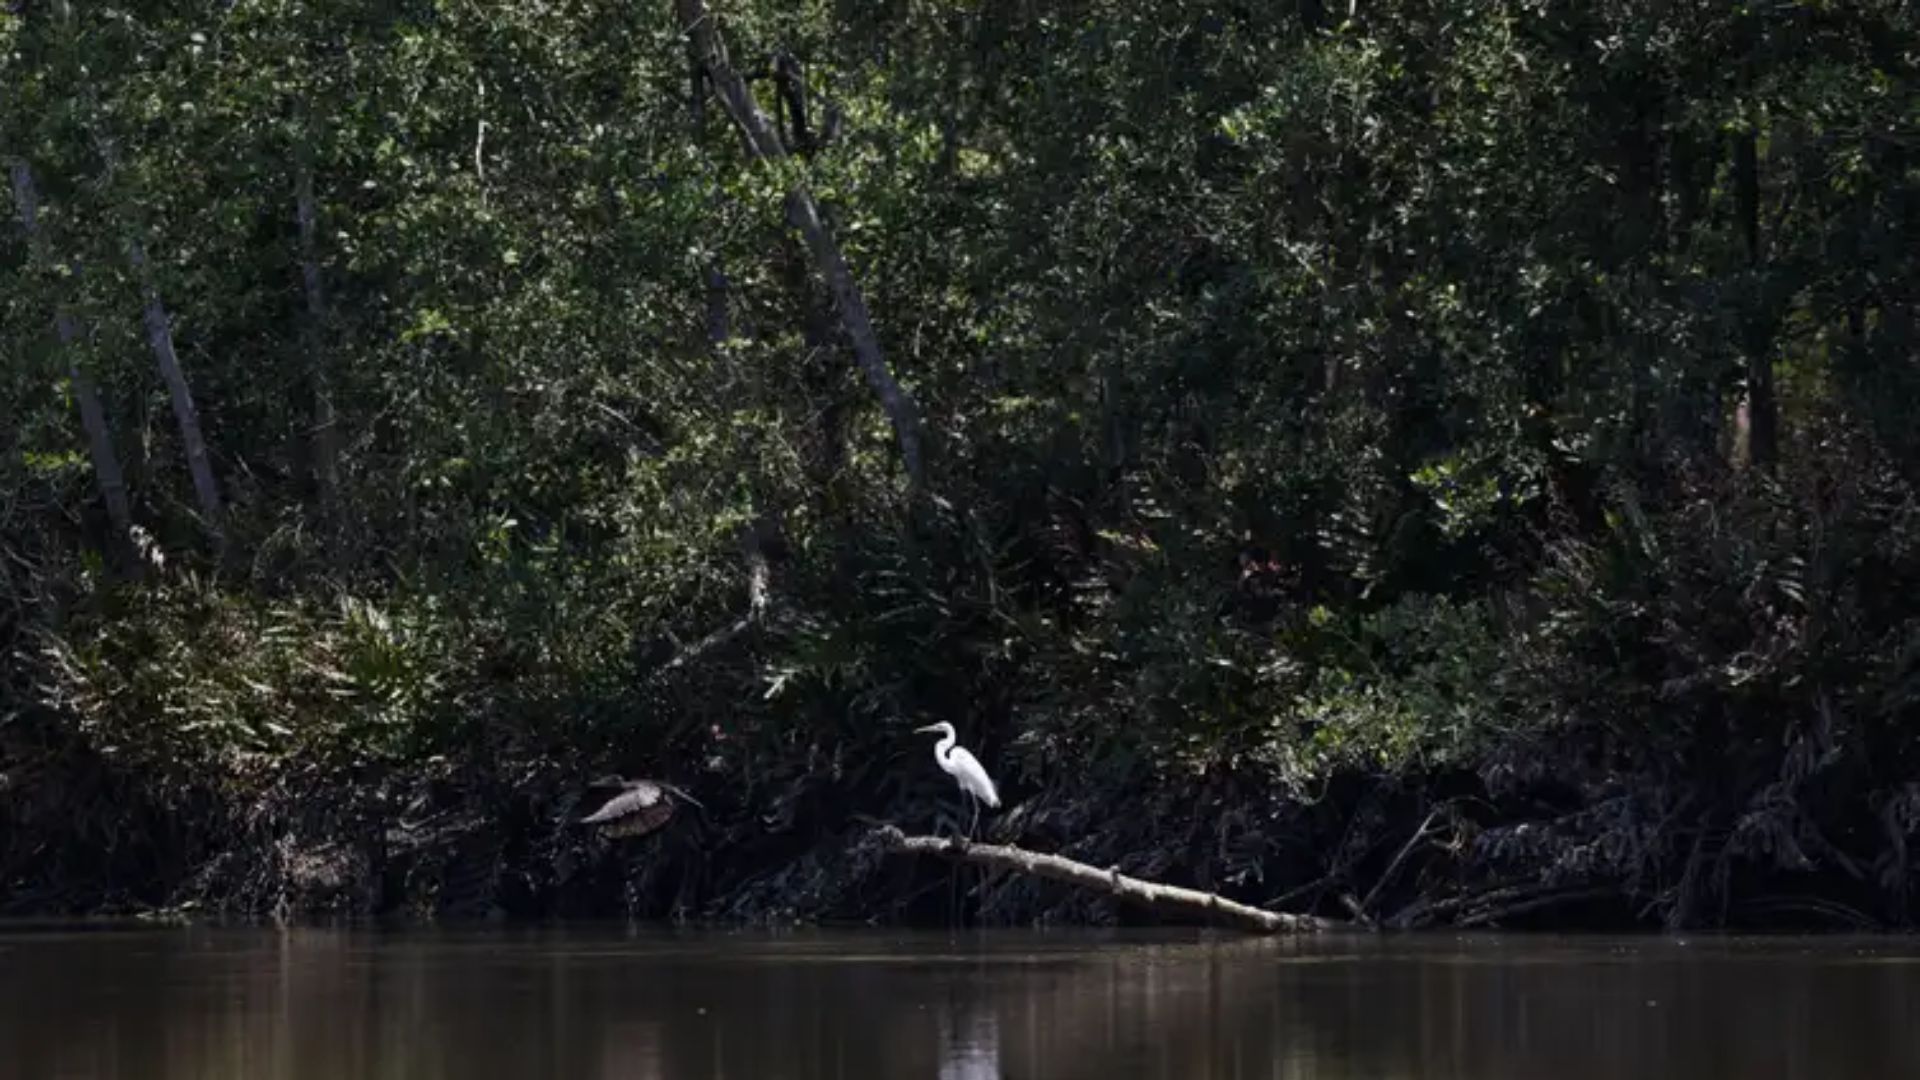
pixel 591 1002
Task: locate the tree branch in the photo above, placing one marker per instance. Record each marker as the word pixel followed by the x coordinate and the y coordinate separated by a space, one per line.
pixel 1419 836
pixel 803 213
pixel 758 600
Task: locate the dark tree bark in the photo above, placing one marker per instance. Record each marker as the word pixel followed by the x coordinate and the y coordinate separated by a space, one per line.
pixel 803 213
pixel 325 440
pixel 697 89
pixel 790 87
pixel 719 319
pixel 1690 166
pixel 93 416
pixel 817 336
pixel 1757 427
pixel 1757 423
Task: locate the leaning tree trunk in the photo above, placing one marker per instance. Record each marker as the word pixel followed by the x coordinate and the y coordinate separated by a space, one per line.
pixel 803 213
pixel 185 413
pixel 93 417
pixel 160 338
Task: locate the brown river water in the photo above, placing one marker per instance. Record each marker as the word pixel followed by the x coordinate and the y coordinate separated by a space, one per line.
pixel 585 1002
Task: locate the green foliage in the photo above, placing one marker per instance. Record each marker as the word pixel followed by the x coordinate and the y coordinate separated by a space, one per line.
pixel 1413 686
pixel 1312 391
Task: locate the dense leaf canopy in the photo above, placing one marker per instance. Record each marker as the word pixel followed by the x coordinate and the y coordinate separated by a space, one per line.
pixel 1508 402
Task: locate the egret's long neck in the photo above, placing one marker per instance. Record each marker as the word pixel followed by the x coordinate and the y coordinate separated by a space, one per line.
pixel 945 746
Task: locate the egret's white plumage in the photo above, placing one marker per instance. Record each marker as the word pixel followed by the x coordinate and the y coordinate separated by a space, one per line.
pixel 965 769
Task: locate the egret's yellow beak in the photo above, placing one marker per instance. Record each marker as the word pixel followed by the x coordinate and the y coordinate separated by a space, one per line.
pixel 929 727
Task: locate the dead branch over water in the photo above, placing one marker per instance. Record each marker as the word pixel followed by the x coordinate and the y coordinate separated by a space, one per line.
pixel 1149 894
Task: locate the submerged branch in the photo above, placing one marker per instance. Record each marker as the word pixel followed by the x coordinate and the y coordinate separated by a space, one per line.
pixel 1150 894
pixel 1489 906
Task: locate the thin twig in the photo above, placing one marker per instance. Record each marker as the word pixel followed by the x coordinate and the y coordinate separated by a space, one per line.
pixel 1521 907
pixel 1419 835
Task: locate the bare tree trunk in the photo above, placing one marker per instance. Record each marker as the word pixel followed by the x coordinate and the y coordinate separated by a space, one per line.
pixel 1149 894
pixel 697 90
pixel 160 338
pixel 93 417
pixel 1757 420
pixel 326 454
pixel 764 144
pixel 1758 425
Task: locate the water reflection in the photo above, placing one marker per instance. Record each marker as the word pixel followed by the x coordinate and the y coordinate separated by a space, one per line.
pixel 611 1003
pixel 970 1049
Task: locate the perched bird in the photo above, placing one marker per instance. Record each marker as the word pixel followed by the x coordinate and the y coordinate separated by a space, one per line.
pixel 965 769
pixel 641 807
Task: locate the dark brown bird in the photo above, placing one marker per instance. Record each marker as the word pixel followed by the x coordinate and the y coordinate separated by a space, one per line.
pixel 641 807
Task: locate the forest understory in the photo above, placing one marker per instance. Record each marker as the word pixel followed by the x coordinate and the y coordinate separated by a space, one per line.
pixel 498 837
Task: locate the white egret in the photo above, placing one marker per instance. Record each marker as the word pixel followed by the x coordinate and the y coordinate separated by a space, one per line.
pixel 965 769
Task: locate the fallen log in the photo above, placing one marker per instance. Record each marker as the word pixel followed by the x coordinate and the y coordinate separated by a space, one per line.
pixel 1149 894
